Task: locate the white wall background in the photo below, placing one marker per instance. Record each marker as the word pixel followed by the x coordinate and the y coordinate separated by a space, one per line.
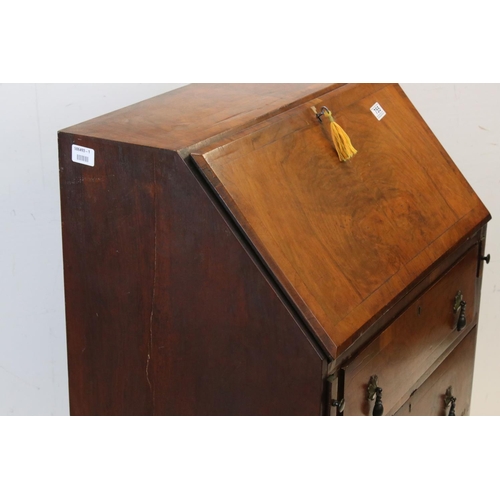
pixel 33 371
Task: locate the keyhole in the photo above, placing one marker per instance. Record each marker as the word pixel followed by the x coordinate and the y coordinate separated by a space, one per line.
pixel 409 408
pixel 419 310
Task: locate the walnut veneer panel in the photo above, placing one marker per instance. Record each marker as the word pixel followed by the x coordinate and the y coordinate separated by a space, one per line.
pixel 344 239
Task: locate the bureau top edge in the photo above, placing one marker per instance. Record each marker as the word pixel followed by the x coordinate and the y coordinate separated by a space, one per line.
pixel 197 113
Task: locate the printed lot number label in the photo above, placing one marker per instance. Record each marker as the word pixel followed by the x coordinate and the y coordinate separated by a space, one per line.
pixel 82 155
pixel 377 111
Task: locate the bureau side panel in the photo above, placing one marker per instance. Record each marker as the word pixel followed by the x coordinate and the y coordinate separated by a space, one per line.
pixel 223 341
pixel 167 312
pixel 108 240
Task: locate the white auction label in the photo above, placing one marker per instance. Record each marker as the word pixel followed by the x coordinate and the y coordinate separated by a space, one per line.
pixel 377 111
pixel 82 155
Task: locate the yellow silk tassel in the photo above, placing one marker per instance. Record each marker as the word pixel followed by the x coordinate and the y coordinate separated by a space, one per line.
pixel 340 139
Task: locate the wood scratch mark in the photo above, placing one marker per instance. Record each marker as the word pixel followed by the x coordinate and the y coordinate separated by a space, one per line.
pixel 150 343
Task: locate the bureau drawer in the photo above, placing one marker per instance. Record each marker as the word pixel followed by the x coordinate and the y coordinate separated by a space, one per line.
pixel 404 354
pixel 454 377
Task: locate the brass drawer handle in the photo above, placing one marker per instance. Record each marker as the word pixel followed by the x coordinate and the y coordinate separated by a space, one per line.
pixel 450 401
pixel 375 392
pixel 462 321
pixel 461 305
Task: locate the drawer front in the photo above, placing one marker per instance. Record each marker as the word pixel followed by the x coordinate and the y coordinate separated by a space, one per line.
pixel 405 353
pixel 453 376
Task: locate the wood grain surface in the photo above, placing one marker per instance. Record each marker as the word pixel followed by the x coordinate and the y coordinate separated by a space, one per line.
pixel 344 239
pixel 220 260
pixel 167 313
pixel 396 307
pixel 456 371
pixel 196 113
pixel 404 352
pixel 108 236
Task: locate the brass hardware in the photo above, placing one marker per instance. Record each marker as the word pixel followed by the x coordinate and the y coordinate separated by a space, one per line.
pixel 452 409
pixel 486 258
pixel 448 396
pixel 460 304
pixel 339 404
pixel 449 401
pixel 458 298
pixel 462 320
pixel 375 392
pixel 321 113
pixel 378 409
pixel 372 387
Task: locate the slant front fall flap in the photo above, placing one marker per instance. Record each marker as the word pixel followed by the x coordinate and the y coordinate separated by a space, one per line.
pixel 344 239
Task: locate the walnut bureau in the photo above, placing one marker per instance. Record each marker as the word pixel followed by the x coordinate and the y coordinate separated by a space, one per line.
pixel 219 259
